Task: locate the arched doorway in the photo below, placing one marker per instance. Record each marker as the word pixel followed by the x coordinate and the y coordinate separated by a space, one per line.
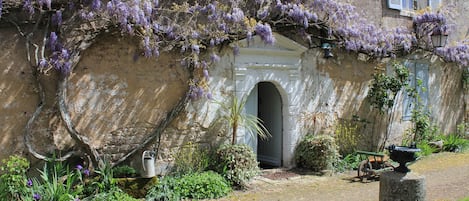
pixel 265 102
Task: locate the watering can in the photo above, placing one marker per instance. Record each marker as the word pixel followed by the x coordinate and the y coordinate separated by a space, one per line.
pixel 148 163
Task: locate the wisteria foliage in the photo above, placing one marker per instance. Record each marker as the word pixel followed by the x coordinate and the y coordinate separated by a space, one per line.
pixel 428 24
pixel 193 26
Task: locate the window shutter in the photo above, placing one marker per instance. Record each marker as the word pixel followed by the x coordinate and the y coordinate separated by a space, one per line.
pixel 406 4
pixel 408 102
pixel 421 74
pixel 434 4
pixel 418 80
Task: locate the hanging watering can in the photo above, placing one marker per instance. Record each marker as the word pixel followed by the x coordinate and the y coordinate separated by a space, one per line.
pixel 148 163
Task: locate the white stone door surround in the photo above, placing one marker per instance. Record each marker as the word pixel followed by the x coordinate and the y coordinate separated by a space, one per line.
pixel 280 65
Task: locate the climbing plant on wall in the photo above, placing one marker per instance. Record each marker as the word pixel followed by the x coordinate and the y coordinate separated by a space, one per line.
pixel 384 90
pixel 195 28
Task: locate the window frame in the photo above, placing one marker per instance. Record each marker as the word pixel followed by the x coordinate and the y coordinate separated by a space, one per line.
pixel 408 7
pixel 395 4
pixel 435 4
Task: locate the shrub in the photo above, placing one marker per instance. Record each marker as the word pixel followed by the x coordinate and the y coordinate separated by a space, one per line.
pixel 349 162
pixel 58 182
pixel 13 181
pixel 237 163
pixel 203 185
pixel 164 190
pixel 112 194
pixel 425 149
pixel 124 171
pixel 316 153
pixel 196 185
pixel 136 187
pixel 102 182
pixel 454 143
pixel 190 159
pixel 347 136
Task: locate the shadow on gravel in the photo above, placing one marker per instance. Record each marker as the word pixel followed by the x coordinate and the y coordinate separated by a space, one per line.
pixel 280 173
pixel 353 179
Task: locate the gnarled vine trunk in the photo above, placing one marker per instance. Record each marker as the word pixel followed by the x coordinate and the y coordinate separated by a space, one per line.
pixel 77 35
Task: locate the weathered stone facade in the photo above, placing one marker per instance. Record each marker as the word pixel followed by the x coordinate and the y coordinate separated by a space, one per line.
pixel 117 98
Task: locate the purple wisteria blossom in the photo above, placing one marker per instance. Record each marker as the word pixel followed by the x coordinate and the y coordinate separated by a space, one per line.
pixel 87 15
pixel 296 13
pixel 214 57
pixel 66 68
pixel 429 17
pixel 212 42
pixel 1 7
pixel 265 32
pixel 57 18
pixel 64 54
pixel 458 53
pixel 45 3
pixel 236 50
pixel 28 6
pixel 193 92
pixel 157 28
pixel 43 63
pixel 205 73
pixel 236 15
pixel 199 91
pixel 156 51
pixel 53 38
pixel 249 35
pixel 209 96
pixel 263 13
pixel 96 4
pixel 195 48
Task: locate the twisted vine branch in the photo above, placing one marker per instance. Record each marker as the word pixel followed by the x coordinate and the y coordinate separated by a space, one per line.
pixel 41 92
pixel 156 133
pixel 80 35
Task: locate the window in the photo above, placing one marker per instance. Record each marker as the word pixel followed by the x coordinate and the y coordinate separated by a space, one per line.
pixel 434 4
pixel 407 7
pixel 418 80
pixel 395 4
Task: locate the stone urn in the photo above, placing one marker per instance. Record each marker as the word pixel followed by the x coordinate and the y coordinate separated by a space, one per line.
pixel 403 155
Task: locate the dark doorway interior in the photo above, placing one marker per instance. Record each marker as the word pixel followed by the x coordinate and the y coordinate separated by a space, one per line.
pixel 269 151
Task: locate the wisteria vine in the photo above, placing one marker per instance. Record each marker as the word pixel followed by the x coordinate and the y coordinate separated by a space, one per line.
pixel 202 25
pixel 197 28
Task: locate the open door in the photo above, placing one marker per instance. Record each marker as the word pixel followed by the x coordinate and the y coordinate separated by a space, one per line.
pixel 269 151
pixel 265 102
pixel 251 108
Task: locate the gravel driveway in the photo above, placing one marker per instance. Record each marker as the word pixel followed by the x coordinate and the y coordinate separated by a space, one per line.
pixel 446 177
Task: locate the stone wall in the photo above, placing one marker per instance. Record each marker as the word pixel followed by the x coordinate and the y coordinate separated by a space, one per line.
pixel 116 96
pixel 336 91
pixel 17 94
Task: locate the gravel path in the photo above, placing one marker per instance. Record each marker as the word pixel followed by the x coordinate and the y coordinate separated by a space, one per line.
pixel 446 177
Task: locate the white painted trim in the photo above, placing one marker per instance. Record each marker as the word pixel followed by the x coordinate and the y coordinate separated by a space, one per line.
pixel 395 4
pixel 280 65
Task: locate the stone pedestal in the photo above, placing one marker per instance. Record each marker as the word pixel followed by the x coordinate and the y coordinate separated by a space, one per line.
pixel 396 186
